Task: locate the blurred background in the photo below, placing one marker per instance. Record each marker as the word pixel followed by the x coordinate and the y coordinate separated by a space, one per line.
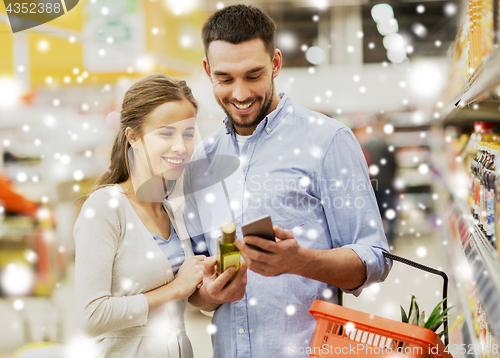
pixel 417 81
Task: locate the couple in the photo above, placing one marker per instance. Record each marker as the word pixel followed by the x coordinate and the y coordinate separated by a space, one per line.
pixel 135 266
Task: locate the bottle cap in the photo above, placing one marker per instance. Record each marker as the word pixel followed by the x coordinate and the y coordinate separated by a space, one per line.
pixel 228 231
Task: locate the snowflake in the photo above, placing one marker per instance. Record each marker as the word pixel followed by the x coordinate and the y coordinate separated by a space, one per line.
pixel 201 246
pixel 304 181
pixel 235 205
pixel 113 203
pixel 126 284
pixel 210 198
pixel 290 310
pixel 388 128
pixel 211 329
pixel 312 234
pixel 296 231
pixel 18 304
pixel 421 251
pixel 349 327
pixel 78 175
pixel 327 293
pixel 423 169
pixel 374 169
pixel 89 213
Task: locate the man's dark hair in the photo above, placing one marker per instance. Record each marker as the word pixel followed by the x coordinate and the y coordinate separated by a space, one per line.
pixel 239 23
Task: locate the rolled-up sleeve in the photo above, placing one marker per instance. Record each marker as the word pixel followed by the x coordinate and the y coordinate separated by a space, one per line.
pixel 97 233
pixel 353 217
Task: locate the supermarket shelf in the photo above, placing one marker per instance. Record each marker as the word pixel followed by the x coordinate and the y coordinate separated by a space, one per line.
pixel 487 111
pixel 485 82
pixel 482 85
pixel 457 256
pixel 481 257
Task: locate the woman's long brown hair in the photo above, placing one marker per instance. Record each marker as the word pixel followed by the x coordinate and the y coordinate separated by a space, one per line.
pixel 140 100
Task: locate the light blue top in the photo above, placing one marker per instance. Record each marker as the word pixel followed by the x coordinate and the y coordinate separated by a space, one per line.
pixel 308 172
pixel 172 249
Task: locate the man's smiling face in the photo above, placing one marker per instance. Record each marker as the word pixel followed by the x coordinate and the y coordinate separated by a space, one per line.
pixel 242 77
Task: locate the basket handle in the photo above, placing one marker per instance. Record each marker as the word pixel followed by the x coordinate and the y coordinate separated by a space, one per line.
pixel 423 268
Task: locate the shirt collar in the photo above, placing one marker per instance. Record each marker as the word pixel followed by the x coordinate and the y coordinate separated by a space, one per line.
pixel 271 120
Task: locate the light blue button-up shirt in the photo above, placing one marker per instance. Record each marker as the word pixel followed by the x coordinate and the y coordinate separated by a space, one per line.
pixel 308 172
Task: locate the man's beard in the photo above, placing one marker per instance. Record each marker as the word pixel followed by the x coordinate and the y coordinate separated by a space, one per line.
pixel 260 116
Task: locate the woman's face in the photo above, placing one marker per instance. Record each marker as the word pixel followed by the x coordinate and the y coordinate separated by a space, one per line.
pixel 167 142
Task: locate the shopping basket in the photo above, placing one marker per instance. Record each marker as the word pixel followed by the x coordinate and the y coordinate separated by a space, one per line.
pixel 341 331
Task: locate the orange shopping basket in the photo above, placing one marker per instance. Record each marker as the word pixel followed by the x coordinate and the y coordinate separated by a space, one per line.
pixel 341 331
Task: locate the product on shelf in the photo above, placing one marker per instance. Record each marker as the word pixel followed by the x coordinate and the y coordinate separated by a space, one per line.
pixel 481 30
pixel 483 152
pixel 496 221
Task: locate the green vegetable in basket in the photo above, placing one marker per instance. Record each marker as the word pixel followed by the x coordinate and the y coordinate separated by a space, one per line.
pixel 436 319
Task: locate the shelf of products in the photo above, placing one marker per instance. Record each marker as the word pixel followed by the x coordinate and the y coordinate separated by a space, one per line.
pixel 480 255
pixel 474 262
pixel 466 164
pixel 475 66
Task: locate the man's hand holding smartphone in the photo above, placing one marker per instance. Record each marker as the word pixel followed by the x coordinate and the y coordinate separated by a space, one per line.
pixel 274 253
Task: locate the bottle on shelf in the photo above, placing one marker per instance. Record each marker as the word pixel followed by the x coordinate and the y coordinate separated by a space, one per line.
pixel 491 199
pixel 482 132
pixel 497 199
pixel 484 190
pixel 477 169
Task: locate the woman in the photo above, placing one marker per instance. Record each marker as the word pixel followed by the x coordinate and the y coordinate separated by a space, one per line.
pixel 129 241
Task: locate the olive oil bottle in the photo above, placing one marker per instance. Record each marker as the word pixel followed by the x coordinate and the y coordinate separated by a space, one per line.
pixel 227 253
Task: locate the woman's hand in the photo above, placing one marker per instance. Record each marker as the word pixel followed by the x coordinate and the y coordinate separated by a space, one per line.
pixel 190 276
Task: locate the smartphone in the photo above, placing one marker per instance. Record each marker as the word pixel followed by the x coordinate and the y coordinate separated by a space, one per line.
pixel 261 227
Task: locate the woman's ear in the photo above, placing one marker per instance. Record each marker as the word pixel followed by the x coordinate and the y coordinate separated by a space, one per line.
pixel 132 137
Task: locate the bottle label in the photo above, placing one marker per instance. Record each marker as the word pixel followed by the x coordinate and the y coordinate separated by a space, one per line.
pixel 231 260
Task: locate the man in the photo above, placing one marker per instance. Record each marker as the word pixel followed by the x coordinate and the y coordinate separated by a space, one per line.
pixel 304 169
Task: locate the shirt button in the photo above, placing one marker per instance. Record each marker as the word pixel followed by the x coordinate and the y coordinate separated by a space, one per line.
pixel 240 182
pixel 268 129
pixel 241 330
pixel 238 220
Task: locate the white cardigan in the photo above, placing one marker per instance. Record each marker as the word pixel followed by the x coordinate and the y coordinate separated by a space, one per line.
pixel 117 260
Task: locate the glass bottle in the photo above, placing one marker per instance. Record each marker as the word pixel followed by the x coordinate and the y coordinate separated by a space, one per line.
pixel 227 253
pixel 497 199
pixel 483 131
pixel 491 178
pixel 473 170
pixel 492 197
pixel 488 162
pixel 477 180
